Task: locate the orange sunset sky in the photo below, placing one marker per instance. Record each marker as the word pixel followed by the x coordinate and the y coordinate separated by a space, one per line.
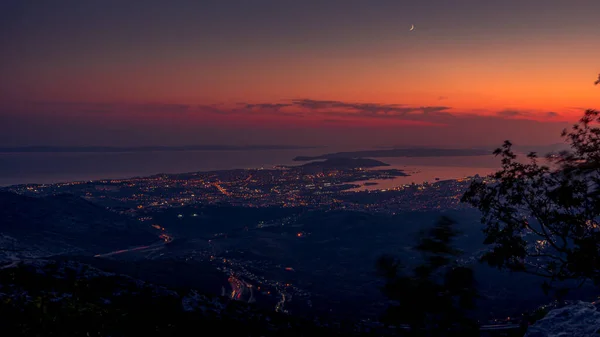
pixel 340 73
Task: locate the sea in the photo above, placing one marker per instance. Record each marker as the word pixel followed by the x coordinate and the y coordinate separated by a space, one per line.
pixel 47 168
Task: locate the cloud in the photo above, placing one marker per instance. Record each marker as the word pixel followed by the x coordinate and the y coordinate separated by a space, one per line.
pixel 273 106
pixel 512 113
pixel 435 110
pixel 252 109
pixel 441 98
pixel 509 113
pixel 308 121
pixel 330 108
pixel 361 109
pixel 305 108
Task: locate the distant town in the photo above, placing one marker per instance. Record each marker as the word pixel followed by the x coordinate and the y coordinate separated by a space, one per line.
pixel 312 187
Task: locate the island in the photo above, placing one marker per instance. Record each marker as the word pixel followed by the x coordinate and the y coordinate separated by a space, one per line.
pixel 342 164
pixel 423 152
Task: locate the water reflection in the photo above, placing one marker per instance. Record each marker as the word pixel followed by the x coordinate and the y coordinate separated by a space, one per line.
pixel 431 169
pixel 418 175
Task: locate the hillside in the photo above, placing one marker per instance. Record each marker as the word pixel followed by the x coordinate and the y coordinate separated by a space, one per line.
pixel 65 223
pixel 49 298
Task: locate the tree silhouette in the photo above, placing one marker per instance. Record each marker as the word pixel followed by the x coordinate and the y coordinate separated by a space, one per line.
pixel 435 299
pixel 543 219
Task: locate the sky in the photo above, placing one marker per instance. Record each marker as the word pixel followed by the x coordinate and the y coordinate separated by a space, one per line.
pixel 312 72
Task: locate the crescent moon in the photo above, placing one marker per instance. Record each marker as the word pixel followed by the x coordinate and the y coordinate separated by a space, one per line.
pixel 412 27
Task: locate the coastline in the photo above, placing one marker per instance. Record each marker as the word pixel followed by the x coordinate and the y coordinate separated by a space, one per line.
pixel 45 168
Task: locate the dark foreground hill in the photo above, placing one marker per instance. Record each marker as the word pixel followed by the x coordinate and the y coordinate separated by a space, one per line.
pixel 68 298
pixel 65 224
pixel 65 298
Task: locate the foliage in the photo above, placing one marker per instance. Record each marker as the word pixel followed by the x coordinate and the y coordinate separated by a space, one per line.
pixel 436 298
pixel 543 219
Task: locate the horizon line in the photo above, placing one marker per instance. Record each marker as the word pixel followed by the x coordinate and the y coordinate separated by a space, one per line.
pixel 148 148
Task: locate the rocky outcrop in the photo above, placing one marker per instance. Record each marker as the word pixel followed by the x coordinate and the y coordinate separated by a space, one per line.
pixel 577 320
